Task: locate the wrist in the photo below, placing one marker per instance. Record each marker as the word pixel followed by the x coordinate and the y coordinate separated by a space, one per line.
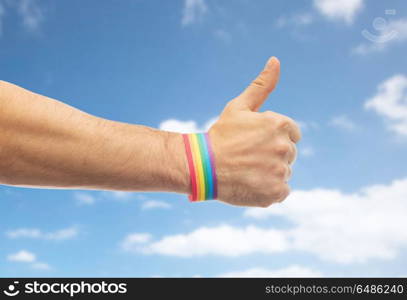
pixel 178 173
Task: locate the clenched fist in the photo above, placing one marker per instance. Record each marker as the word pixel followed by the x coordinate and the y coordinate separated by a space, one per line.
pixel 254 150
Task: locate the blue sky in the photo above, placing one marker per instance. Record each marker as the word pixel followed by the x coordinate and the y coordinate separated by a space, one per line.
pixel 173 65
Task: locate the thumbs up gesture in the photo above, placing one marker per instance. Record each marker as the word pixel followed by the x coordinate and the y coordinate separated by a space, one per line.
pixel 254 150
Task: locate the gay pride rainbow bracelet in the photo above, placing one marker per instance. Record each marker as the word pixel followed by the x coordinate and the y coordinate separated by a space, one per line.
pixel 201 164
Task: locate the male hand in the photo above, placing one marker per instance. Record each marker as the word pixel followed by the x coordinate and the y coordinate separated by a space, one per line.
pixel 254 151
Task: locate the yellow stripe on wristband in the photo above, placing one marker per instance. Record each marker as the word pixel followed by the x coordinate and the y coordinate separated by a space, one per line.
pixel 198 163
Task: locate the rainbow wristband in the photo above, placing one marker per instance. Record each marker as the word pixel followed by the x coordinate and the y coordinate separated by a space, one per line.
pixel 201 164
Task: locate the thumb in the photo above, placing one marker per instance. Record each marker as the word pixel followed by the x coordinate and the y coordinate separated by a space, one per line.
pixel 260 88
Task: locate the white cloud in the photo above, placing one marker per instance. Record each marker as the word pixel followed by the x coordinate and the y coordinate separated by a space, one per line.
pixel 134 241
pixel 84 198
pixel 22 256
pixel 31 14
pixel 186 126
pixel 41 266
pixel 344 10
pixel 290 271
pixel 364 48
pixel 193 11
pixel 155 204
pixel 303 19
pixel 33 233
pixel 306 151
pixel 118 195
pixel 296 20
pixel 343 122
pixel 394 32
pixel 223 240
pixel 223 35
pixel 1 18
pixel 390 102
pixel 345 228
pixel 332 225
pixel 306 126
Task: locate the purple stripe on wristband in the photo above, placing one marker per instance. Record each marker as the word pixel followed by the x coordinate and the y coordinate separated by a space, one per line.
pixel 212 159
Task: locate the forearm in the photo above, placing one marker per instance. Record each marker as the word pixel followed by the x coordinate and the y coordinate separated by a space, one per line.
pixel 47 143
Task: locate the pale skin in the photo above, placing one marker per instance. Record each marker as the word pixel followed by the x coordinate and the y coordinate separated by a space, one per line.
pixel 46 143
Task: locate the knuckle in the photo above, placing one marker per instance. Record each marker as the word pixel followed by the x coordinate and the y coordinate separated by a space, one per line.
pixel 280 172
pixel 293 158
pixel 289 172
pixel 275 121
pixel 284 193
pixel 261 81
pixel 280 192
pixel 230 105
pixel 268 114
pixel 283 148
pixel 284 123
pixel 269 126
pixel 289 120
pixel 296 132
pixel 265 203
